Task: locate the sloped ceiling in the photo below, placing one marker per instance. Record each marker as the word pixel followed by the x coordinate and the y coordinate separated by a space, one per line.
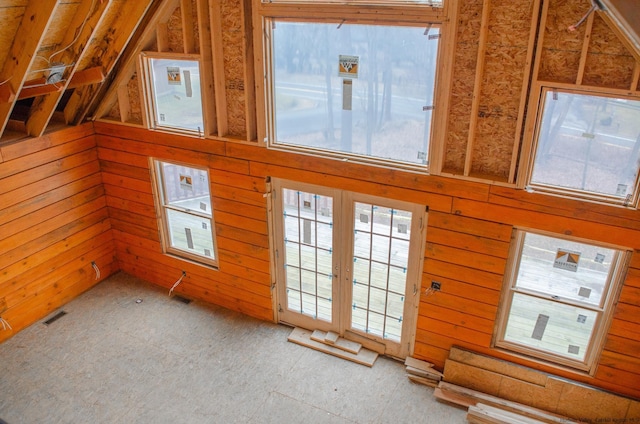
pixel 55 55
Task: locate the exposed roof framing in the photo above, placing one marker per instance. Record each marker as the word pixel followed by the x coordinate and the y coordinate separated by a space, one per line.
pixel 55 55
pixel 63 61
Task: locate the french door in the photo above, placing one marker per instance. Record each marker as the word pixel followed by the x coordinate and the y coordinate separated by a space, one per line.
pixel 348 263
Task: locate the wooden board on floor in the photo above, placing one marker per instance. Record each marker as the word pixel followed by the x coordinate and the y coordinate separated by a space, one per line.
pixel 340 343
pixel 303 337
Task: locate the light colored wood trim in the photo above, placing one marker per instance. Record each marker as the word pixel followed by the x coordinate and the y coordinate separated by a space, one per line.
pixel 604 91
pixel 525 92
pixel 444 84
pixel 636 77
pixel 477 84
pixel 188 27
pixel 31 32
pixel 249 74
pixel 145 91
pixel 352 13
pixel 127 69
pixel 585 48
pixel 91 22
pixel 206 64
pixel 259 54
pixel 162 37
pixel 123 103
pixel 219 79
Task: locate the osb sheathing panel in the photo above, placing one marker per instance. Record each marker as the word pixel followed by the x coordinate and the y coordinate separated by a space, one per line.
pixel 504 68
pixel 234 65
pixel 59 25
pixel 466 52
pixel 135 108
pixel 608 63
pixel 114 113
pixel 560 57
pixel 10 17
pixel 174 29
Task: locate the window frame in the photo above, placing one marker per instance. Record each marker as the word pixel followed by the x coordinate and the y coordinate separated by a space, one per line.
pixel 396 14
pixel 604 310
pixel 148 93
pixel 529 154
pixel 162 208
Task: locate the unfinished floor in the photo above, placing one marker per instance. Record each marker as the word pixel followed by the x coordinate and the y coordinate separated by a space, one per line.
pixel 113 359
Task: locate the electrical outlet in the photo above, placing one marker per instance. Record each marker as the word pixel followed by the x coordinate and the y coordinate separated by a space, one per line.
pixel 435 285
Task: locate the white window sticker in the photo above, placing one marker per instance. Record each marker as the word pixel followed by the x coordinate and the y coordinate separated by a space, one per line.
pixel 186 182
pixel 173 75
pixel 348 66
pixel 567 260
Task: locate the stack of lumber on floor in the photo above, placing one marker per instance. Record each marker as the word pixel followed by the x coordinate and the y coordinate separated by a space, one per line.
pixel 484 408
pixel 498 384
pixel 422 372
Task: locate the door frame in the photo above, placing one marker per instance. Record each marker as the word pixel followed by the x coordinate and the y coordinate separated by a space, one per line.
pixel 343 209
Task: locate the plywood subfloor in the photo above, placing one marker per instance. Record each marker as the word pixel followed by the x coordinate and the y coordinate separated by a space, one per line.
pixel 110 359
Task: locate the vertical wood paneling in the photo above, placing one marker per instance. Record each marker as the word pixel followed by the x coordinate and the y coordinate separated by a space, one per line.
pixel 53 224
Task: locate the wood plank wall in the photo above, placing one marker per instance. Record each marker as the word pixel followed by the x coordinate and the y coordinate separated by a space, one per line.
pixel 468 237
pixel 53 224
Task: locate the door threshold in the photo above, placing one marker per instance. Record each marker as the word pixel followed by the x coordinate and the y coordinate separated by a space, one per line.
pixel 304 338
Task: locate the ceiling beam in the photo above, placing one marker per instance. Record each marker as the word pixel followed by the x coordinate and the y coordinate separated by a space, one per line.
pixel 35 21
pixel 88 19
pixel 130 16
pixel 127 68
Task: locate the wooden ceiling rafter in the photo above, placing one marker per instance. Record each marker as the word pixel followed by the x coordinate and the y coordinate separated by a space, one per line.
pixel 88 19
pixel 127 68
pixel 24 49
pixel 130 16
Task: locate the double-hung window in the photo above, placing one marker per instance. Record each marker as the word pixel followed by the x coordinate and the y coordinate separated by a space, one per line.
pixel 558 298
pixel 185 215
pixel 587 146
pixel 352 91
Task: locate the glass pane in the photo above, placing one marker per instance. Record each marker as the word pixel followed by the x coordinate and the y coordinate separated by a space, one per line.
pixel 186 187
pixel 547 325
pixel 176 91
pixel 360 89
pixel 190 233
pixel 588 143
pixel 379 271
pixel 308 230
pixel 568 269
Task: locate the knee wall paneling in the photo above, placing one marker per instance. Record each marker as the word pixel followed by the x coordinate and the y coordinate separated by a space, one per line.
pixel 53 224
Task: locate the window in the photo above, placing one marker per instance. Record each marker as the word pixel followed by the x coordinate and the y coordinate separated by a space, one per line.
pixel 173 94
pixel 588 146
pixel 363 92
pixel 558 297
pixel 186 217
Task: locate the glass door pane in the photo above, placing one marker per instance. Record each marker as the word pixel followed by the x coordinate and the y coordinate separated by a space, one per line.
pixel 308 253
pixel 380 262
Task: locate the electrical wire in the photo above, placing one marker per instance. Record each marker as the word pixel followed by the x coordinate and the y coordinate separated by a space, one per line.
pixel 184 274
pixel 594 7
pixel 79 31
pixel 5 324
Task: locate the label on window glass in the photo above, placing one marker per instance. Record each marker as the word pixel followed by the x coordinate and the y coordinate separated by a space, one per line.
pixel 621 190
pixel 567 260
pixel 173 75
pixel 347 94
pixel 599 258
pixel 186 182
pixel 348 66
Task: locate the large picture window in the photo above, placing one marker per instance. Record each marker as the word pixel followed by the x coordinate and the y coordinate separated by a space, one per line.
pixel 186 217
pixel 558 298
pixel 352 90
pixel 588 146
